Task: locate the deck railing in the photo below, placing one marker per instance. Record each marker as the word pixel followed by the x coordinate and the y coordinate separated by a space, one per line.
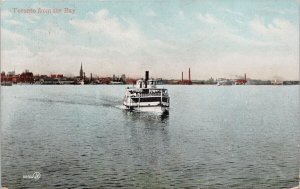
pixel 150 92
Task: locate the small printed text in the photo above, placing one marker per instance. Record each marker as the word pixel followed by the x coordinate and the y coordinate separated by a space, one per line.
pixel 43 10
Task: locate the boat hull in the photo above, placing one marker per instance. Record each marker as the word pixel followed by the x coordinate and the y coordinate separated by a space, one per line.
pixel 150 109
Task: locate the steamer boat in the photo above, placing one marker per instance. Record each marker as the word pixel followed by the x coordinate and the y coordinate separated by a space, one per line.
pixel 146 97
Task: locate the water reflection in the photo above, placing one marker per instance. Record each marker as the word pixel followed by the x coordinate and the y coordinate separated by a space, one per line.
pixel 148 118
pixel 149 138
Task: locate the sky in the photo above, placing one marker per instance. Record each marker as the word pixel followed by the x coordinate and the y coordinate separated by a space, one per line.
pixel 212 37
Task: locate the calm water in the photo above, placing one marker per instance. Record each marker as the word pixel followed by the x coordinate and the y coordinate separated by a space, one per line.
pixel 214 137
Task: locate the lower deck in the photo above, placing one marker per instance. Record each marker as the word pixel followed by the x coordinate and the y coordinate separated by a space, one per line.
pixel 150 99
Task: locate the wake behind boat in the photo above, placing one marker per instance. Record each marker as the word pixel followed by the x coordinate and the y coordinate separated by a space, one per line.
pixel 146 97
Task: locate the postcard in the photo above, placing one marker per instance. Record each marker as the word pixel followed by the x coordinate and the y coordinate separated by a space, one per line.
pixel 150 94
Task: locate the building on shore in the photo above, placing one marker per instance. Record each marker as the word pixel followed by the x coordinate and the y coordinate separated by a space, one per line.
pixel 276 82
pixel 11 77
pixel 241 81
pixel 224 81
pixel 56 75
pixel 116 80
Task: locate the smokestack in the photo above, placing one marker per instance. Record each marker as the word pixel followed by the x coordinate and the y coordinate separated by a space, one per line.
pixel 189 74
pixel 146 75
pixel 146 78
pixel 91 76
pixel 181 76
pixel 245 78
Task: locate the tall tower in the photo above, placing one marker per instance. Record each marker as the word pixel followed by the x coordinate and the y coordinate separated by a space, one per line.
pixel 189 74
pixel 81 72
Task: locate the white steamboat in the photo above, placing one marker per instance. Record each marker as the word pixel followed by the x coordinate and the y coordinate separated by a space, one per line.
pixel 146 97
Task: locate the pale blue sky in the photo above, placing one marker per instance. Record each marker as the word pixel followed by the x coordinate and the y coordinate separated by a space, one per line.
pixel 215 38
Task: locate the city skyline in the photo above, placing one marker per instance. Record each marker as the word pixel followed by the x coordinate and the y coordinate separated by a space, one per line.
pixel 216 39
pixel 185 76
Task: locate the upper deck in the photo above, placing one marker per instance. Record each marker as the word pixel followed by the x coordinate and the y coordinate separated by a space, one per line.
pixel 144 89
pixel 146 84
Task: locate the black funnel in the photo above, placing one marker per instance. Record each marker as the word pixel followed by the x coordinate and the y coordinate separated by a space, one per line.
pixel 146 78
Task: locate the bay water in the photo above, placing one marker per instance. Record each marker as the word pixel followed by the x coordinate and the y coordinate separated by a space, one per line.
pixel 213 137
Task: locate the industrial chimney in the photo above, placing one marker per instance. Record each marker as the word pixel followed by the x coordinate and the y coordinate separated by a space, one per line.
pixel 189 74
pixel 181 76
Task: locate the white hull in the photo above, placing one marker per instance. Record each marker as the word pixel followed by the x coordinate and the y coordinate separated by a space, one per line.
pixel 152 109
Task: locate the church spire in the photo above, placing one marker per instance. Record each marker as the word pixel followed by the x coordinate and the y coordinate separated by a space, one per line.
pixel 81 72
